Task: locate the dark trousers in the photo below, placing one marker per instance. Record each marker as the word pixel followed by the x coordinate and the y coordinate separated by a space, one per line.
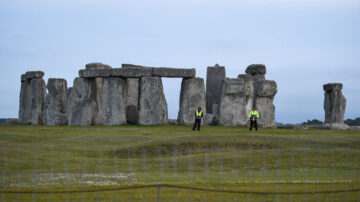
pixel 197 123
pixel 253 123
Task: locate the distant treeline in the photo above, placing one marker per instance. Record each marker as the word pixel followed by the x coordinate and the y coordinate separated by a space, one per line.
pixel 350 122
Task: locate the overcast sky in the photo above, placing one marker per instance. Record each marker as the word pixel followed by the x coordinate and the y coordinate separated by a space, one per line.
pixel 304 44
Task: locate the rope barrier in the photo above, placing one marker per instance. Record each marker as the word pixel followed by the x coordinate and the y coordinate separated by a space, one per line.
pixel 179 187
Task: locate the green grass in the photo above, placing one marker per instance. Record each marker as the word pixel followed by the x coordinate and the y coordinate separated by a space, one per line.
pixel 40 158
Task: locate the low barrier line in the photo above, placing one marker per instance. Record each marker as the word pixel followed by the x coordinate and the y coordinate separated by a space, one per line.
pixel 178 187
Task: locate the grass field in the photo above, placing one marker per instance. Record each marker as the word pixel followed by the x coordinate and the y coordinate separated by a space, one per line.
pixel 281 164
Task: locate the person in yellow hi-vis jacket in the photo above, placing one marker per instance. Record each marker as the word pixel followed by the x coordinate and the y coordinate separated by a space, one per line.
pixel 198 117
pixel 253 115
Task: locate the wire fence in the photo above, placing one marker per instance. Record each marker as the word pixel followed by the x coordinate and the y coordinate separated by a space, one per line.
pixel 180 171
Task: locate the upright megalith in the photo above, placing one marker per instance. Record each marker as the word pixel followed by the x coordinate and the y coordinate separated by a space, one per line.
pixel 132 100
pixel 56 102
pixel 192 96
pixel 334 106
pixel 214 79
pixel 236 101
pixel 32 98
pixel 113 106
pixel 264 95
pixel 152 103
pixel 81 102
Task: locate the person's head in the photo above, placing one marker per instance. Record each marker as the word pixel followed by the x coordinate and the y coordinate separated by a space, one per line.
pixel 199 108
pixel 253 108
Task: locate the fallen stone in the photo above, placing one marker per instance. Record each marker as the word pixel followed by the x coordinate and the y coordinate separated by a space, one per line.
pixel 172 121
pixel 236 101
pixel 113 101
pixel 292 126
pixel 334 103
pixel 255 69
pixel 97 65
pixel 34 75
pixel 334 126
pixel 152 103
pixel 354 127
pixel 38 95
pixel 173 72
pixel 56 102
pixel 132 100
pixel 214 78
pixel 192 96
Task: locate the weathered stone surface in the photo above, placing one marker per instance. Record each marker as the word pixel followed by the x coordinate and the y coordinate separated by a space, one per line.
pixel 23 78
pixel 214 78
pixel 264 96
pixel 210 119
pixel 113 101
pixel 97 65
pixel 192 96
pixel 82 102
pixel 173 72
pixel 236 101
pixel 334 103
pixel 132 72
pixel 334 126
pixel 56 102
pixel 256 69
pixel 153 106
pixel 38 95
pixel 34 75
pixel 25 102
pixel 89 73
pixel 132 100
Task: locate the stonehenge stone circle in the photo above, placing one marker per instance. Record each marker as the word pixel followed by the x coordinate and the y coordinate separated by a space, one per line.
pixel 334 106
pixel 152 103
pixel 56 102
pixel 134 94
pixel 192 96
pixel 214 79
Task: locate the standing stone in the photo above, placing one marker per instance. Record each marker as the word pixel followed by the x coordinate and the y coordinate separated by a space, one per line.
pixel 98 100
pixel 264 95
pixel 236 101
pixel 38 95
pixel 153 106
pixel 192 96
pixel 25 101
pixel 113 105
pixel 132 100
pixel 31 104
pixel 82 102
pixel 334 106
pixel 56 102
pixel 214 80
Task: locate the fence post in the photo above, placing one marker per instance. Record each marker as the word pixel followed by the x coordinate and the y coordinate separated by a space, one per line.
pixel 159 185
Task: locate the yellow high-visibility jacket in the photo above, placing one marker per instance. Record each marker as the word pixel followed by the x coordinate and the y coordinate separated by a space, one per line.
pixel 253 115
